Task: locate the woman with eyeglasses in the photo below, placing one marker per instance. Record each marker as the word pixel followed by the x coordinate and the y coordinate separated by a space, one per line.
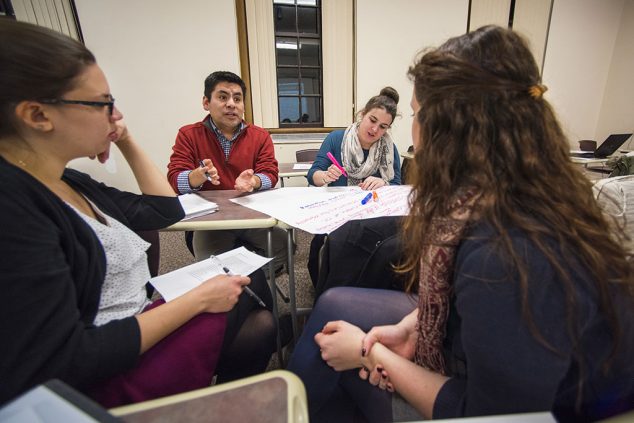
pixel 72 275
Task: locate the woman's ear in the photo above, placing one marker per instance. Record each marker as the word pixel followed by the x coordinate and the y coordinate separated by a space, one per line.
pixel 33 115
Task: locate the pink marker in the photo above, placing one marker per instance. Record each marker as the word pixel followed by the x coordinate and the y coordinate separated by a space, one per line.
pixel 336 163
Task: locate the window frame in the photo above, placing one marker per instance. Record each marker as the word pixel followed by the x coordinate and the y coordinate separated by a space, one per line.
pixel 298 36
pixel 257 65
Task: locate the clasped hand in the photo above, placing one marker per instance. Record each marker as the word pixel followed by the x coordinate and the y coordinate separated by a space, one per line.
pixel 344 346
pixel 397 338
pixel 340 345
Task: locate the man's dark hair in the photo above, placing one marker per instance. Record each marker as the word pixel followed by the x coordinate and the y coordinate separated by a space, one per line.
pixel 223 76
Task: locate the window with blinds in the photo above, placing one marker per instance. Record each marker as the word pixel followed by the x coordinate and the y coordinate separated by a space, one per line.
pixel 59 15
pixel 298 59
pixel 297 26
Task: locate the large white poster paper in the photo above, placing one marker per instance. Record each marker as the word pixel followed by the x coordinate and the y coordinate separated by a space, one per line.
pixel 322 210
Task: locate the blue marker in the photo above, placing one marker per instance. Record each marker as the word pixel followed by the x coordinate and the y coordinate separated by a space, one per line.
pixel 367 198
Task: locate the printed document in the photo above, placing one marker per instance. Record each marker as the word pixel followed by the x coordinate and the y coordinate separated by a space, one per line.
pixel 174 284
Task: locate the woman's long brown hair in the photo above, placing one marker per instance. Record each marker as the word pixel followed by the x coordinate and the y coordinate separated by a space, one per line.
pixel 481 126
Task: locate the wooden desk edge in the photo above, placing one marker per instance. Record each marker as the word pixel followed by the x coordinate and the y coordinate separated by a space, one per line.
pixel 294 173
pixel 202 225
pixel 297 407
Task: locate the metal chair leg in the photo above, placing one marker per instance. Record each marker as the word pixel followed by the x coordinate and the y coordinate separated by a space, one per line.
pixel 285 297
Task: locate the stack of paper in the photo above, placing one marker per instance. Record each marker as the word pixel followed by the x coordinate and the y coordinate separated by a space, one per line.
pixel 195 206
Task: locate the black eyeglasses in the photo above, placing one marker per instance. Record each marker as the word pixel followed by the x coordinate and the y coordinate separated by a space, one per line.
pixel 109 104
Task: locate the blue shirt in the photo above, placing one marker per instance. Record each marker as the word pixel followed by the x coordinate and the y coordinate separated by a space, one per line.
pixel 332 144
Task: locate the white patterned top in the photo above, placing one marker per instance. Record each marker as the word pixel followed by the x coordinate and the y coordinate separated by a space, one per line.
pixel 123 291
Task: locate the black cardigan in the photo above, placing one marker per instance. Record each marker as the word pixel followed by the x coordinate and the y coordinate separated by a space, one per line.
pixel 51 271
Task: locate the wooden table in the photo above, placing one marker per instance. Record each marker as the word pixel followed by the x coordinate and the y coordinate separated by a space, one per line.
pixel 229 215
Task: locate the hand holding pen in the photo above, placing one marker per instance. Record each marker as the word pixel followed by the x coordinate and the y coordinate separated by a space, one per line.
pixel 330 175
pixel 333 172
pixel 206 171
pixel 248 290
pixel 336 163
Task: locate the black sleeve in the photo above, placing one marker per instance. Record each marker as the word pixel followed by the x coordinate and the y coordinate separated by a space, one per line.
pixel 507 369
pixel 141 212
pixel 49 271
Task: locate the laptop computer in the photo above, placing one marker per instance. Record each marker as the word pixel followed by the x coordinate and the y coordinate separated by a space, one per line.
pixel 607 147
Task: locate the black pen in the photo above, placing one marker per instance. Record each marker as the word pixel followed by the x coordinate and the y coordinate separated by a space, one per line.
pixel 248 290
pixel 202 164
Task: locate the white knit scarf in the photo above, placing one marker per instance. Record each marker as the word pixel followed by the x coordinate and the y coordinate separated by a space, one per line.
pixel 380 157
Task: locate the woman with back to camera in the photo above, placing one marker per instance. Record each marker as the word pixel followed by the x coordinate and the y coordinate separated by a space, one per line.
pixel 525 292
pixel 72 290
pixel 365 149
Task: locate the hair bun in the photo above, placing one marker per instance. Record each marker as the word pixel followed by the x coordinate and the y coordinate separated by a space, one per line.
pixel 391 93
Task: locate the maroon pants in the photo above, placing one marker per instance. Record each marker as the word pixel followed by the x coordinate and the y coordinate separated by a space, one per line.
pixel 184 360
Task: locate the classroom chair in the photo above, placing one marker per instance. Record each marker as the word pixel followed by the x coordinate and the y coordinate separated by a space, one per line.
pixel 616 198
pixel 306 155
pixel 276 396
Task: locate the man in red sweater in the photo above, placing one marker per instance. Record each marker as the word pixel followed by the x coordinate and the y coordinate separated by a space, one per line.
pixel 224 152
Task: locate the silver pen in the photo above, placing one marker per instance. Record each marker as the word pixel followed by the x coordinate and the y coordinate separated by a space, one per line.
pixel 248 290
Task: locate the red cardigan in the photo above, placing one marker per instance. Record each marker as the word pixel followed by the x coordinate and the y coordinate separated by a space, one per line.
pixel 253 149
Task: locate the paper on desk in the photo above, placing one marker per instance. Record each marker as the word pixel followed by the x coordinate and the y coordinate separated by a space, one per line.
pixel 174 284
pixel 322 210
pixel 302 166
pixel 195 206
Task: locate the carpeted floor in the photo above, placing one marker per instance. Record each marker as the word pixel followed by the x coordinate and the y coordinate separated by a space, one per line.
pixel 174 255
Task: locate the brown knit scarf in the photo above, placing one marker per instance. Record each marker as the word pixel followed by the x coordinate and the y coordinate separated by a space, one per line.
pixel 436 270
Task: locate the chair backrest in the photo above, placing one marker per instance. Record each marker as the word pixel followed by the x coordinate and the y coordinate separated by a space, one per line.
pixel 616 198
pixel 307 155
pixel 362 253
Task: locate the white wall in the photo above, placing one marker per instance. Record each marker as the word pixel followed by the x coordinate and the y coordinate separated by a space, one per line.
pixel 617 108
pixel 156 55
pixel 578 57
pixel 389 36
